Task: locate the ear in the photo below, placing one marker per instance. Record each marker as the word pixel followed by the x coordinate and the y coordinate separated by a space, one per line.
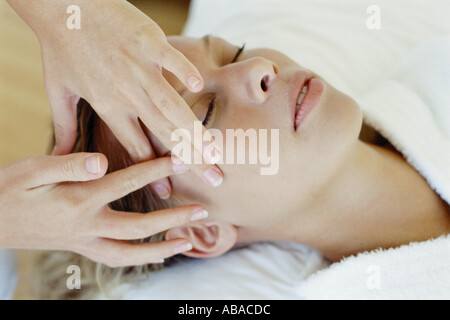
pixel 209 239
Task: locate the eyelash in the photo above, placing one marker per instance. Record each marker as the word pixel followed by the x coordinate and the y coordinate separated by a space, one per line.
pixel 212 105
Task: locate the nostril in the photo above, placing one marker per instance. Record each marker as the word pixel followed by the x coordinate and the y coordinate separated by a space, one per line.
pixel 275 69
pixel 263 86
pixel 264 83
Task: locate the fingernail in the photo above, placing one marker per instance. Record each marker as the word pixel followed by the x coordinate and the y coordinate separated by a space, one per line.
pixel 157 261
pixel 214 177
pixel 162 191
pixel 93 165
pixel 211 154
pixel 194 83
pixel 183 248
pixel 175 159
pixel 200 214
pixel 180 167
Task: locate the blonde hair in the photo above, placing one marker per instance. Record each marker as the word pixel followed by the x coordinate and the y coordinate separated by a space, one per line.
pixel 51 267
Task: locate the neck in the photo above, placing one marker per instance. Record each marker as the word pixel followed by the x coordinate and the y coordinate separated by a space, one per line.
pixel 377 200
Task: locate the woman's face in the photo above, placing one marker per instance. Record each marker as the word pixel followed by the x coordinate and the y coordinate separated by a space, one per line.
pixel 259 91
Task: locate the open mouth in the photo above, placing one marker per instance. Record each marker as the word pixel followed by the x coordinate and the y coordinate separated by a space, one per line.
pixel 301 97
pixel 308 98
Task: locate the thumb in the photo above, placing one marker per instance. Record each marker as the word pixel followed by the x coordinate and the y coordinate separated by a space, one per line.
pixel 69 168
pixel 64 114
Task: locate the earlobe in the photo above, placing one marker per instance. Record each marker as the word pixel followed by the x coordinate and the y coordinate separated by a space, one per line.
pixel 209 238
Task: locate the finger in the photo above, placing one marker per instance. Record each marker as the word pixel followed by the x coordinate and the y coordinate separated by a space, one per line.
pixel 210 174
pixel 181 121
pixel 128 131
pixel 132 226
pixel 162 188
pixel 64 114
pixel 123 182
pixel 46 170
pixel 119 253
pixel 175 62
pixel 172 109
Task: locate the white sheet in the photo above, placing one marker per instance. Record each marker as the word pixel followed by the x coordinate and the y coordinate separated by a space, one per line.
pixel 260 271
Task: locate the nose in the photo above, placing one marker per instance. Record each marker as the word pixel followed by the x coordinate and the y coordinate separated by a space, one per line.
pixel 254 77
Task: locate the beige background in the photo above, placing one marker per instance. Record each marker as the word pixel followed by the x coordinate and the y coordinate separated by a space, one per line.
pixel 25 120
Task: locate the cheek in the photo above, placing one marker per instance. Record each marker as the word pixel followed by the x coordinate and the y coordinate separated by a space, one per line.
pixel 325 145
pixel 343 121
pixel 241 196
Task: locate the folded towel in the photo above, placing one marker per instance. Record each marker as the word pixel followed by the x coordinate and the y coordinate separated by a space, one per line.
pixel 412 110
pixel 417 271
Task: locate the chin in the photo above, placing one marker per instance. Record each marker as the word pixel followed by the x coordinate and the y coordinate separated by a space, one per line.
pixel 344 117
pixel 332 135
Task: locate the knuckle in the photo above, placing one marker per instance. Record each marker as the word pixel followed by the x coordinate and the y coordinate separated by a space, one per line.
pixel 163 54
pixel 74 201
pixel 68 169
pixel 161 170
pixel 164 133
pixel 130 183
pixel 102 107
pixel 148 37
pixel 143 230
pixel 31 162
pixel 102 110
pixel 140 152
pixel 164 103
pixel 22 168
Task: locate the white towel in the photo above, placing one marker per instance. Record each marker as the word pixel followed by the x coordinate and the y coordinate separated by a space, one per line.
pixel 418 271
pixel 412 109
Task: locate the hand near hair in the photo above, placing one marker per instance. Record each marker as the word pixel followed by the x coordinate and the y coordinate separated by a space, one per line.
pixel 43 205
pixel 115 61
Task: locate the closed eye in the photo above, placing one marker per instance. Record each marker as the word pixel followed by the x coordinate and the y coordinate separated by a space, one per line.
pixel 209 113
pixel 238 54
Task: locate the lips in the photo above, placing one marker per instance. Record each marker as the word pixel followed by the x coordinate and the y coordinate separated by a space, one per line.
pixel 301 97
pixel 308 97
